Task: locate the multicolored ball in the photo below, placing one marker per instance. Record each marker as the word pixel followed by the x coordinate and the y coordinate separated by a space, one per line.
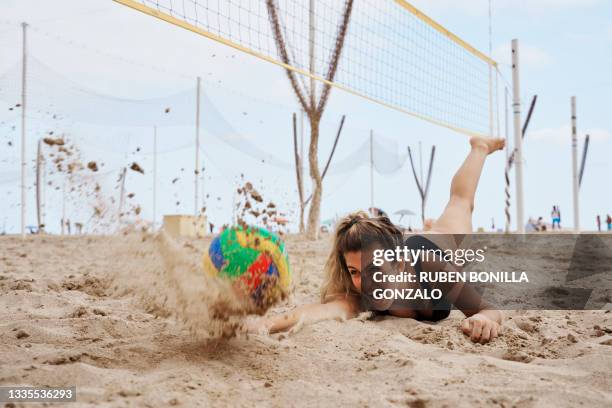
pixel 254 259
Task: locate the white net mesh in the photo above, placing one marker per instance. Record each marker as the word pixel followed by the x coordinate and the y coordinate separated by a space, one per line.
pixel 56 102
pixel 392 53
pixel 115 132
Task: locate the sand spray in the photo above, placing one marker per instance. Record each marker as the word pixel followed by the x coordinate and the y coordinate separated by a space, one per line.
pixel 168 280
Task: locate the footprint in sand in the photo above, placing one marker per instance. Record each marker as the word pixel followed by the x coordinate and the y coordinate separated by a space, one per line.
pixel 22 334
pixel 87 284
pixel 80 311
pixel 518 356
pixel 526 325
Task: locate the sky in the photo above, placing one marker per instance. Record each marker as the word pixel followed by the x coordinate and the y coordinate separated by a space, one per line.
pixel 92 56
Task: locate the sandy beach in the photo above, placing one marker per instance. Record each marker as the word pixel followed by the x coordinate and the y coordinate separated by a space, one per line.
pixel 69 317
pixel 483 125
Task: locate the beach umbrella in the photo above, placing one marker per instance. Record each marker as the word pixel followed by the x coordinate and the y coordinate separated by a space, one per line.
pixel 403 213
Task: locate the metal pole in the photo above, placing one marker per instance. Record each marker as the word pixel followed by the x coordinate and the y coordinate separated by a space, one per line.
pixel 302 170
pixel 575 186
pixel 371 169
pixel 302 162
pixel 507 171
pixel 154 177
pixel 491 129
pixel 202 169
pixel 38 185
pixel 64 206
pixel 506 123
pixel 44 190
pixel 518 139
pixel 24 26
pixel 197 147
pixel 122 195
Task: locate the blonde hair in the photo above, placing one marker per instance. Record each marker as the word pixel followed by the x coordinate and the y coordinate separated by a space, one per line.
pixel 348 236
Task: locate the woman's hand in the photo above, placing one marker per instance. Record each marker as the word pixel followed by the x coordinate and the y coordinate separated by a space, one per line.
pixel 481 328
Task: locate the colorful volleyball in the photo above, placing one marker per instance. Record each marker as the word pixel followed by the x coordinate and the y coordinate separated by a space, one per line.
pixel 254 259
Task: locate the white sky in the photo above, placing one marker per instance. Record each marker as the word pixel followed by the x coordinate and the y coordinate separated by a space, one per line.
pixel 103 46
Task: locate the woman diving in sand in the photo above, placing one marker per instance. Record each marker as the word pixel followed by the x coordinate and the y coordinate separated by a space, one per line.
pixel 341 293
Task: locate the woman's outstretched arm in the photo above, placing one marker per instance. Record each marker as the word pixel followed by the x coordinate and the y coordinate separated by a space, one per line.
pixel 482 323
pixel 339 309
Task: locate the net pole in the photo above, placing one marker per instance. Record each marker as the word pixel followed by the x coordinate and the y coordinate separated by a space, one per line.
pixel 302 162
pixel 64 206
pixel 518 139
pixel 202 163
pixel 154 176
pixel 202 175
pixel 491 125
pixel 202 180
pixel 506 122
pixel 197 148
pixel 44 190
pixel 575 184
pixel 507 171
pixel 371 168
pixel 38 184
pixel 24 27
pixel 121 196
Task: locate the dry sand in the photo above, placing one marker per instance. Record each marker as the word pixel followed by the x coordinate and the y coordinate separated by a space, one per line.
pixel 66 321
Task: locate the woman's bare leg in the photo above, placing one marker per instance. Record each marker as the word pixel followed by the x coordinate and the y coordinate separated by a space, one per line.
pixel 457 216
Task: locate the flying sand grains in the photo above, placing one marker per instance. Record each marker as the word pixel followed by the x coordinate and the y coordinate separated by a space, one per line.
pixel 256 196
pixel 136 167
pixel 207 306
pixel 53 142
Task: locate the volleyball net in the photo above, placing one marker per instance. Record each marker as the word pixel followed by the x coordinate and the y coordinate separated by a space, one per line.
pixel 393 54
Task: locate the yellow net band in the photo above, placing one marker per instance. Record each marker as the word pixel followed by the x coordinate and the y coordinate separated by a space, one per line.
pixel 429 21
